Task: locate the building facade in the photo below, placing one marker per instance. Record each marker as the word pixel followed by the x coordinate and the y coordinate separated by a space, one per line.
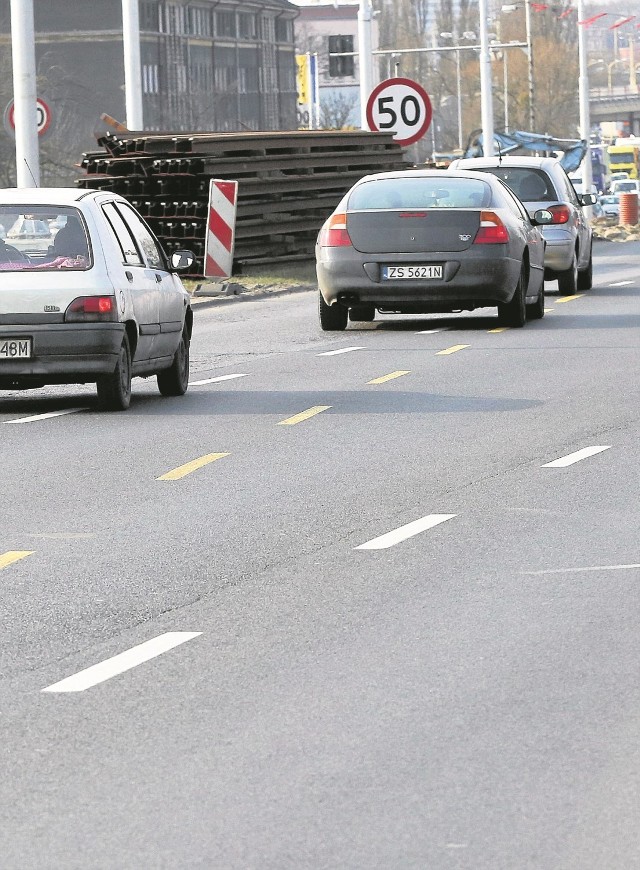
pixel 330 31
pixel 210 65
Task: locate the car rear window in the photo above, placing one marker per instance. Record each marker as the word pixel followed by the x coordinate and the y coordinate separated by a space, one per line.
pixel 438 192
pixel 528 184
pixel 42 238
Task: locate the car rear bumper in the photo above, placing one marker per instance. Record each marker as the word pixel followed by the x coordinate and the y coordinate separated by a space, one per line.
pixel 354 278
pixel 61 353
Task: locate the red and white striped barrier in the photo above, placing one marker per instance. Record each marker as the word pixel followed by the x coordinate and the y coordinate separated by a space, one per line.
pixel 221 228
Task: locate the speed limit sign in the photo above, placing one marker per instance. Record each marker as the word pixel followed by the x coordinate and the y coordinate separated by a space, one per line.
pixel 43 118
pixel 401 106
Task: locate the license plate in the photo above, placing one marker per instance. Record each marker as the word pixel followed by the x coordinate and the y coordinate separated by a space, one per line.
pixel 394 273
pixel 15 348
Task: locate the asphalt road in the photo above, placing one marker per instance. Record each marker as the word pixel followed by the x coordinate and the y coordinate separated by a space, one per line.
pixel 372 609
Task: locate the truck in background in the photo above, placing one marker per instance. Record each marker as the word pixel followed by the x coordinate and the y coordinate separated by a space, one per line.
pixel 624 156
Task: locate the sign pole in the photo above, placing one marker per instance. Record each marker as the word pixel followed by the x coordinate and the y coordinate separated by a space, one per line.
pixel 23 49
pixel 365 58
pixel 132 67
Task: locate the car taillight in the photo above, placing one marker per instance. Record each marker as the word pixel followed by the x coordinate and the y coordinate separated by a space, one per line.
pixel 561 214
pixel 334 233
pixel 492 231
pixel 86 309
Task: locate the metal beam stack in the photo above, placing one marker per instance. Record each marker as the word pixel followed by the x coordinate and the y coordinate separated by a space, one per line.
pixel 289 182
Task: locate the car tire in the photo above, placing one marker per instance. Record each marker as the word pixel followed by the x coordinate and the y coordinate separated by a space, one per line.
pixel 514 313
pixel 333 318
pixel 114 390
pixel 362 313
pixel 535 311
pixel 568 280
pixel 585 277
pixel 175 380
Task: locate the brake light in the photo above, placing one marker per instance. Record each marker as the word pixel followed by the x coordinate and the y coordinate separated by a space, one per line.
pixel 91 308
pixel 491 231
pixel 561 214
pixel 334 233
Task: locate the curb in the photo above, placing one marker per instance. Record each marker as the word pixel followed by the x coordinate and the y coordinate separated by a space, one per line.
pixel 214 301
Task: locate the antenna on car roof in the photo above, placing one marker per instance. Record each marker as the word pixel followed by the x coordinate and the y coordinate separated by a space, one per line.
pixel 499 154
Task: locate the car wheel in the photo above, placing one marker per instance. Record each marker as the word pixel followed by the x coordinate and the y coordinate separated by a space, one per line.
pixel 175 380
pixel 114 390
pixel 514 313
pixel 535 311
pixel 362 313
pixel 333 318
pixel 585 277
pixel 568 280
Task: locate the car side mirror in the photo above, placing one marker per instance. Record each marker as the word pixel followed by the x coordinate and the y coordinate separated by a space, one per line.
pixel 181 261
pixel 588 199
pixel 541 217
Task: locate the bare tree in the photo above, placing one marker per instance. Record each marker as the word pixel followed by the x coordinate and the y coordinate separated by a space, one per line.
pixel 336 109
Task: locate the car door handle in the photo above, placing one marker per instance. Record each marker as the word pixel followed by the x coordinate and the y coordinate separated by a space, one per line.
pixel 129 277
pixel 158 278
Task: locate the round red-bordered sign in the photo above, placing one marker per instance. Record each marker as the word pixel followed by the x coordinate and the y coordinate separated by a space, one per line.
pixel 401 106
pixel 43 117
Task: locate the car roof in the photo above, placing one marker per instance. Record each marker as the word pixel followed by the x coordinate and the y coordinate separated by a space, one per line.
pixel 530 162
pixel 425 173
pixel 44 195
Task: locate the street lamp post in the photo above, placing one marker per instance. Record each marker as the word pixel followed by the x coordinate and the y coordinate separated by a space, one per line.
pixel 365 58
pixel 511 7
pixel 24 94
pixel 486 89
pixel 583 91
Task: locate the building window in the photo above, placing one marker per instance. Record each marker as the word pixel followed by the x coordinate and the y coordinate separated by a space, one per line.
pixel 174 20
pixel 199 21
pixel 149 16
pixel 284 30
pixel 341 67
pixel 226 24
pixel 150 78
pixel 247 25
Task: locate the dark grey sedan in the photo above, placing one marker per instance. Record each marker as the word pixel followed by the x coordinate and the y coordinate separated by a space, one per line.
pixel 424 241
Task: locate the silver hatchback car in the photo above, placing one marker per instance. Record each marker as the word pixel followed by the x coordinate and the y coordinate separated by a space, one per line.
pixel 541 182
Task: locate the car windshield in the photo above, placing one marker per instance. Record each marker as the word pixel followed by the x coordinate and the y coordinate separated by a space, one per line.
pixel 43 239
pixel 529 185
pixel 413 192
pixel 626 185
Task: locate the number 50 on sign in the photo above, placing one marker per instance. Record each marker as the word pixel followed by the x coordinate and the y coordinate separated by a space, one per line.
pixel 400 106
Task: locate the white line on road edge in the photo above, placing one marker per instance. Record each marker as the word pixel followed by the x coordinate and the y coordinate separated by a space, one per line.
pixel 215 380
pixel 38 417
pixel 590 568
pixel 432 331
pixel 341 350
pixel 404 532
pixel 131 658
pixel 574 457
pixel 621 284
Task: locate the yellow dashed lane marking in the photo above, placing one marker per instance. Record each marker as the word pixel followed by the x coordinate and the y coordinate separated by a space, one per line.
pixel 499 329
pixel 304 415
pixel 183 470
pixel 390 377
pixel 12 556
pixel 453 349
pixel 569 298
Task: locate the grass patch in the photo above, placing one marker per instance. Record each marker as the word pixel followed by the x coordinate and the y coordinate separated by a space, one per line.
pixel 289 274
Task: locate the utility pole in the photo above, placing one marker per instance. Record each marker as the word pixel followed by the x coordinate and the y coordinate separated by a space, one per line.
pixel 25 113
pixel 365 58
pixel 583 92
pixel 132 66
pixel 486 87
pixel 527 20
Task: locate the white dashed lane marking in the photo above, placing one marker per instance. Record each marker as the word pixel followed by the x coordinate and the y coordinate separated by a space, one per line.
pixel 585 453
pixel 217 380
pixel 407 531
pixel 37 417
pixel 578 570
pixel 621 284
pixel 341 350
pixel 125 661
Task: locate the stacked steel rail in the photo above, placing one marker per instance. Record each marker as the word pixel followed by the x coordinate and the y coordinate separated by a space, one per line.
pixel 288 183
